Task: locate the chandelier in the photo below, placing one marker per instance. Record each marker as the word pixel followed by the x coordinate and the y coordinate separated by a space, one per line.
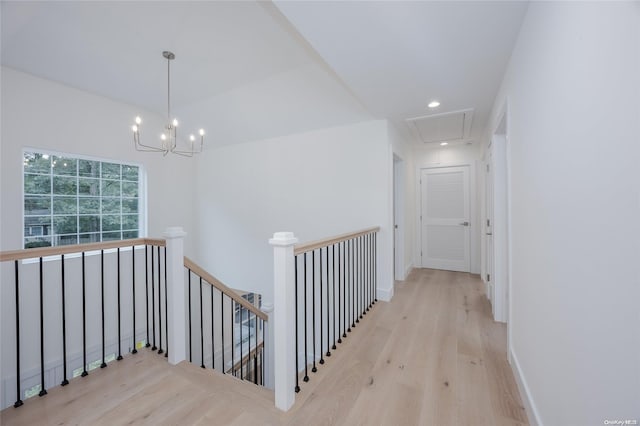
pixel 169 136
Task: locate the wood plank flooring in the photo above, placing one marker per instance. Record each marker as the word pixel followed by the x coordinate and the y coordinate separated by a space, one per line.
pixel 433 356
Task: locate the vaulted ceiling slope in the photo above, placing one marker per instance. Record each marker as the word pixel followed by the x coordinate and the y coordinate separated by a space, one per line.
pixel 241 71
pixel 397 56
pixel 252 70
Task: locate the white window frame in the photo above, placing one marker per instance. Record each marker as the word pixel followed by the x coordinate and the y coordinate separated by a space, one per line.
pixel 142 185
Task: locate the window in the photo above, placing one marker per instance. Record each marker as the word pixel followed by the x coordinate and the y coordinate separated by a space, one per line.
pixel 70 200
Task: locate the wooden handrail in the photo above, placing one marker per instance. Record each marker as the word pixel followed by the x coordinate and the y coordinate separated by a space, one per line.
pixel 76 248
pixel 314 245
pixel 236 366
pixel 190 264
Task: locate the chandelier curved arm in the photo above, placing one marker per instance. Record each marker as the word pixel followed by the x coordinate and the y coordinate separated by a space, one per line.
pixel 139 146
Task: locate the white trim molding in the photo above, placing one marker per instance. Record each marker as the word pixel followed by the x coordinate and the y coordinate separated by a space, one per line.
pixel 385 294
pixel 525 394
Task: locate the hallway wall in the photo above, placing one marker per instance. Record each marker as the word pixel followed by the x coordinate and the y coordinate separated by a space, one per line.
pixel 315 184
pixel 42 114
pixel 572 94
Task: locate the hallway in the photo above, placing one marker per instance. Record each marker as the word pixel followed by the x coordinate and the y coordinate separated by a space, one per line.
pixel 431 357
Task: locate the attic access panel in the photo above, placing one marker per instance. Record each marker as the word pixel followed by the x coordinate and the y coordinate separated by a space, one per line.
pixel 448 126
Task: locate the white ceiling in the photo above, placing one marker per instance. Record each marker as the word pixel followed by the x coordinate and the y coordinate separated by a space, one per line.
pixel 245 62
pixel 397 56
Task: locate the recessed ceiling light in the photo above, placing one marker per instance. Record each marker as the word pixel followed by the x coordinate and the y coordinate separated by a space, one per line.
pixel 433 104
pixel 444 143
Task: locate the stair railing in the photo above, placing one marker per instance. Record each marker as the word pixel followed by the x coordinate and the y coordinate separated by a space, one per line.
pixel 226 329
pixel 322 290
pixel 69 309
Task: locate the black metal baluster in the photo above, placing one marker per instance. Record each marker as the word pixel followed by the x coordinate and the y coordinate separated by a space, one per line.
pixel 365 254
pixel 64 326
pixel 313 306
pixel 233 339
pixel 321 331
pixel 360 276
pixel 327 270
pixel 255 353
pixel 189 297
pixel 367 262
pixel 367 258
pixel 262 357
pixel 356 243
pixel 364 275
pixel 201 329
pixel 84 320
pixel 241 345
pixel 18 402
pixel 297 388
pixel 104 364
pixel 375 267
pixel 146 279
pixel 166 308
pixel 336 277
pixel 222 323
pixel 213 339
pixel 354 315
pixel 343 252
pixel 153 301
pixel 119 331
pixel 160 350
pixel 306 353
pixel 133 297
pixel 43 390
pixel 370 271
pixel 349 284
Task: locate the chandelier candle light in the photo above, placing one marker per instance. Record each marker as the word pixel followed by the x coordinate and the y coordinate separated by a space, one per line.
pixel 169 137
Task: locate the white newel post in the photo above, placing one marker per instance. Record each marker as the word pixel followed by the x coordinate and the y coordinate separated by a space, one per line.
pixel 176 292
pixel 284 362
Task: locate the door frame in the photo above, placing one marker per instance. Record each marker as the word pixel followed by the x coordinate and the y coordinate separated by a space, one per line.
pixel 399 272
pixel 474 253
pixel 486 227
pixel 501 228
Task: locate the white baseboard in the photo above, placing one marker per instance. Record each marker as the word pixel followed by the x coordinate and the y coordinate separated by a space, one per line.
pixel 408 270
pixel 523 388
pixel 385 294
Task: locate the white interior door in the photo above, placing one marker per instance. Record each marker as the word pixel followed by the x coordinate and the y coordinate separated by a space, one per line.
pixel 445 219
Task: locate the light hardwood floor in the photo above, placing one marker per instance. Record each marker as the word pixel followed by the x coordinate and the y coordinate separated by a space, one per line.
pixel 432 356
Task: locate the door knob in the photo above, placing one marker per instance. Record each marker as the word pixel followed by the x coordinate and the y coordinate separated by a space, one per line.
pixel 489 233
pixel 465 224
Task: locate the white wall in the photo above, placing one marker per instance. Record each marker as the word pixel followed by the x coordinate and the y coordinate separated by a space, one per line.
pixel 572 91
pixel 316 184
pixel 41 114
pixel 427 156
pixel 38 113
